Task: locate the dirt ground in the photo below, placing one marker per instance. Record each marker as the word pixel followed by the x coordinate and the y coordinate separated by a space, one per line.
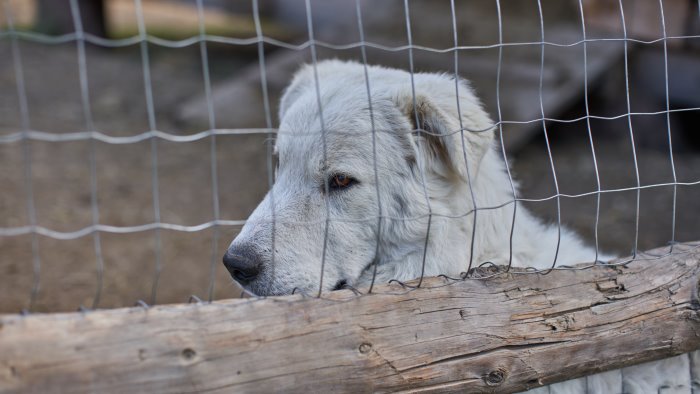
pixel 62 190
pixel 61 174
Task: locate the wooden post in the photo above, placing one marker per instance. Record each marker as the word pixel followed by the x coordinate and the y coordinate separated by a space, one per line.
pixel 505 334
pixel 55 17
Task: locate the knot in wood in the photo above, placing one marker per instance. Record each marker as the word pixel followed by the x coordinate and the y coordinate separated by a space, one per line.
pixel 365 348
pixel 495 377
pixel 562 323
pixel 188 354
pixel 611 286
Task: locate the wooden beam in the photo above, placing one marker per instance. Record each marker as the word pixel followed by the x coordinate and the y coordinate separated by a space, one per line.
pixel 505 334
pixel 56 17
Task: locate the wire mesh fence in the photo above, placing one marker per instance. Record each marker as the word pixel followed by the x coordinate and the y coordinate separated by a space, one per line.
pixel 25 137
pixel 153 135
pixel 615 216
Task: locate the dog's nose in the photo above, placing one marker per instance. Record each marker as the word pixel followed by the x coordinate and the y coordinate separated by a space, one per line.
pixel 243 264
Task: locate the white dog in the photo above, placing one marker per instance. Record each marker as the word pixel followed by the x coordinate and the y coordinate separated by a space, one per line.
pixel 360 185
pixel 435 159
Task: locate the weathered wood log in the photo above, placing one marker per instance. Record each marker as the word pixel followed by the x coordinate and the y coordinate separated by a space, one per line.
pixel 505 334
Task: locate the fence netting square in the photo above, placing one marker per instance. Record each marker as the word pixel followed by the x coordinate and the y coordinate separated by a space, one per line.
pixel 129 161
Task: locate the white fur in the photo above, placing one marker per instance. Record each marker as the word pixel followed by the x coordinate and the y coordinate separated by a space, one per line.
pixel 449 166
pixel 402 159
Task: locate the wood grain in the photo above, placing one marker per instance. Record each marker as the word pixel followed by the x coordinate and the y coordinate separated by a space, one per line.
pixel 505 334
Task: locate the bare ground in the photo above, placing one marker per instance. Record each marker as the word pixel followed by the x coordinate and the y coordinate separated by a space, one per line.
pixel 61 174
pixel 60 179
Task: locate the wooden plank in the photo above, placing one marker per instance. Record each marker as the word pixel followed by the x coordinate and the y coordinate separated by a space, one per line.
pixel 505 334
pixel 56 17
pixel 180 20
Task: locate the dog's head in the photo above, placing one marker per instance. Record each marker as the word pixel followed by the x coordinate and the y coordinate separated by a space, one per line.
pixel 355 179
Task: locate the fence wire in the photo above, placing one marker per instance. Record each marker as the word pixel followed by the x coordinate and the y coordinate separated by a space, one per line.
pixel 90 134
pixel 262 43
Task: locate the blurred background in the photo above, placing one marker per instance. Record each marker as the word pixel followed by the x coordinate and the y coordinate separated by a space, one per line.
pixel 38 37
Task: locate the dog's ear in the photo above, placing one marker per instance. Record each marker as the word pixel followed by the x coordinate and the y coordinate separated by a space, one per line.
pixel 434 117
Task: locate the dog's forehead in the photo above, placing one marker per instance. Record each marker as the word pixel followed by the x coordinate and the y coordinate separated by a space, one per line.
pixel 334 108
pixel 346 124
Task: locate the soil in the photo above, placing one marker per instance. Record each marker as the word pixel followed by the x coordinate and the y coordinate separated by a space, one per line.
pixel 61 180
pixel 60 176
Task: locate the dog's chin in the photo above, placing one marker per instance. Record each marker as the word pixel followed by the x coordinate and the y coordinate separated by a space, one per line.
pixel 264 291
pixel 261 289
pixel 270 290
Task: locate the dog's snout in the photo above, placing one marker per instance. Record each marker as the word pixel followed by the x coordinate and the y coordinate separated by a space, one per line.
pixel 243 264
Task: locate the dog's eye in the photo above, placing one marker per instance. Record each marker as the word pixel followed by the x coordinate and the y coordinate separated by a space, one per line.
pixel 340 181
